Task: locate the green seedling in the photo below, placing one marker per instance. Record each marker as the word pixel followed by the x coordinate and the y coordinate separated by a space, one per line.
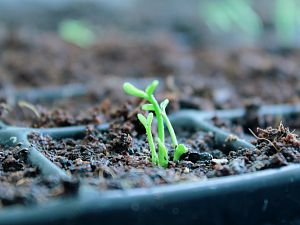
pixel 76 32
pixel 180 149
pixel 287 20
pixel 225 16
pixel 147 122
pixel 163 158
pixel 161 117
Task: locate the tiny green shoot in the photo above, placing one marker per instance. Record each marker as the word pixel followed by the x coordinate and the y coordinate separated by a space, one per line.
pixel 76 32
pixel 147 122
pixel 161 116
pixel 181 149
pixel 163 158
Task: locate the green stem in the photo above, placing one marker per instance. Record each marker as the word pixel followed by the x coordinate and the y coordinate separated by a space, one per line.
pixel 159 118
pixel 170 129
pixel 154 156
pixel 163 158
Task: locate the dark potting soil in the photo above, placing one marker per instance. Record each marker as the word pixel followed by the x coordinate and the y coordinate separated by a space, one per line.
pixel 192 78
pixel 23 184
pixel 120 158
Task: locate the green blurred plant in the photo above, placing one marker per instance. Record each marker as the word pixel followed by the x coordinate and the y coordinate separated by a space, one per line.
pixel 231 15
pixel 227 15
pixel 287 20
pixel 162 158
pixel 76 32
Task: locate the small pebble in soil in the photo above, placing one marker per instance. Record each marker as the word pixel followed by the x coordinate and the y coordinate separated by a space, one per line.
pixel 199 156
pixel 186 170
pixel 11 164
pixel 219 161
pixel 238 166
pixel 217 154
pixel 278 160
pixel 71 186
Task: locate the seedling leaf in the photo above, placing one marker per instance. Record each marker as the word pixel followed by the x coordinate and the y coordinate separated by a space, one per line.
pixel 180 149
pixel 76 32
pixel 148 107
pixel 132 90
pixel 143 120
pixel 164 104
pixel 150 119
pixel 151 88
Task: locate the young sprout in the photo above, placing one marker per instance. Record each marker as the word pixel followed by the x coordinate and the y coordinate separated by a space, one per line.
pixel 161 117
pixel 147 122
pixel 163 158
pixel 179 150
pixel 76 32
pixel 148 95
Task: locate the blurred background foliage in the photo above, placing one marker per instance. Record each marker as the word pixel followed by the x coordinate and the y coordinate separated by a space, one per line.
pixel 248 18
pixel 266 23
pixel 230 15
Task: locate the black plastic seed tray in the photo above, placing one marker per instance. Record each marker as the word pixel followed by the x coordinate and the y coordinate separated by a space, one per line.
pixel 266 197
